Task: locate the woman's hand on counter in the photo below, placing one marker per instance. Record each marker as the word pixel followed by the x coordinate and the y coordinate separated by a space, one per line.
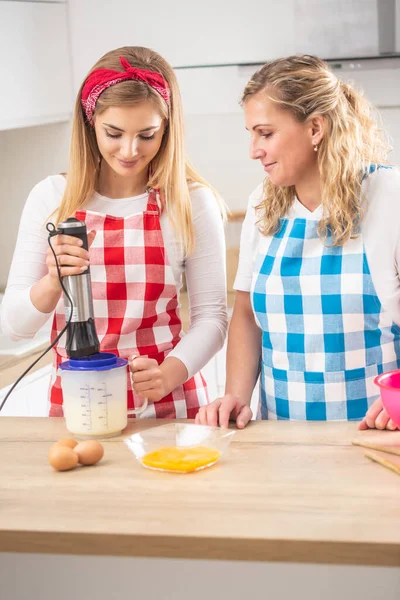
pixel 225 409
pixel 377 418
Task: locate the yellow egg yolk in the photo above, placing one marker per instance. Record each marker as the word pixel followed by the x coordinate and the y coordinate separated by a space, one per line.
pixel 181 459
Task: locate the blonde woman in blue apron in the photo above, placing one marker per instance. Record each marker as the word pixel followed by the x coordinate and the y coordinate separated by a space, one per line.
pixel 317 309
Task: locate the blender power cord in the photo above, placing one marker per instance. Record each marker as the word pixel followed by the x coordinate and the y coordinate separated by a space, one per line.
pixel 52 232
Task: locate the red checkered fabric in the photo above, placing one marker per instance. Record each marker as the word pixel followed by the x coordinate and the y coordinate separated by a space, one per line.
pixel 135 304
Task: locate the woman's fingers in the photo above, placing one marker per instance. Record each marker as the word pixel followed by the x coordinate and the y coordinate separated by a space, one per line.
pixel 142 364
pixel 78 254
pixel 377 418
pixel 70 240
pixel 70 260
pixel 69 244
pixel 222 410
pixel 140 377
pixel 382 420
pixel 231 406
pixel 71 257
pixel 244 417
pixel 147 386
pixel 373 413
pixel 72 251
pixel 147 378
pixel 67 265
pixel 67 271
pixel 208 415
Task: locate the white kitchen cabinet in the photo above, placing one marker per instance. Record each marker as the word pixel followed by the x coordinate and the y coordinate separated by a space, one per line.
pixel 214 32
pixel 378 78
pixel 35 69
pixel 185 33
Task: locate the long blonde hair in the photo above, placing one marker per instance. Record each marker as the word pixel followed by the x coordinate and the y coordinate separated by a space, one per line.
pixel 170 171
pixel 306 87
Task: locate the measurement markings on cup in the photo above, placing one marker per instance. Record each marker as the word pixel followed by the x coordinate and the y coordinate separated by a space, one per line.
pixel 103 404
pixel 86 407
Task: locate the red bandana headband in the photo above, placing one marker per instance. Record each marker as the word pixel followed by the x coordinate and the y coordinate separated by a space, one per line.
pixel 101 79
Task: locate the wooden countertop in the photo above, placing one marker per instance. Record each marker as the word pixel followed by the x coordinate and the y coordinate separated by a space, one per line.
pixel 285 491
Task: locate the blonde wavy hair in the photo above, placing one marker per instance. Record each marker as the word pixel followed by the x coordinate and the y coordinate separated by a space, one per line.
pixel 170 171
pixel 305 86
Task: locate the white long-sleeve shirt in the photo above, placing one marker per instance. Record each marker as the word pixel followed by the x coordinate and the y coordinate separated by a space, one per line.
pixel 380 230
pixel 204 269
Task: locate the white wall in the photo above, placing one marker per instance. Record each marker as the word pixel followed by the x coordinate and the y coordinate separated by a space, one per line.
pixel 27 156
pixel 391 121
pixel 218 146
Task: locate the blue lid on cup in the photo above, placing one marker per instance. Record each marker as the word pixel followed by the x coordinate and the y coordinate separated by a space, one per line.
pixel 102 361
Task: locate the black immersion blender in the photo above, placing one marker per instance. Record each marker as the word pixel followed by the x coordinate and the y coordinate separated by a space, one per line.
pixel 82 338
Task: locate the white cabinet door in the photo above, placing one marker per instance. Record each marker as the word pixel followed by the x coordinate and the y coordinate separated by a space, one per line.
pixel 35 68
pixel 186 33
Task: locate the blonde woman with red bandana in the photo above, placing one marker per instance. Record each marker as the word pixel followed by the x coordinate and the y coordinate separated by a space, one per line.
pixel 151 218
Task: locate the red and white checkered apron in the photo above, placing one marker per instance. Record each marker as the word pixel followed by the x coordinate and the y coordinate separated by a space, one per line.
pixel 135 305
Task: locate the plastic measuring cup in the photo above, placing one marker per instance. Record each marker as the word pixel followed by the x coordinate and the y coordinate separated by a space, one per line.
pixel 95 395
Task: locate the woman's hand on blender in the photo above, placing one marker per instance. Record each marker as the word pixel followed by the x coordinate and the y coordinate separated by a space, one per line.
pixel 223 410
pixel 147 378
pixel 377 418
pixel 70 254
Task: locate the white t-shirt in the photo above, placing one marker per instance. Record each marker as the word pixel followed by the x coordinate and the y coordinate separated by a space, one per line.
pixel 380 230
pixel 204 269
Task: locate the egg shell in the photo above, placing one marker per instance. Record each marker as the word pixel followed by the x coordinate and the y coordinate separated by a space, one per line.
pixel 62 458
pixel 89 452
pixel 68 442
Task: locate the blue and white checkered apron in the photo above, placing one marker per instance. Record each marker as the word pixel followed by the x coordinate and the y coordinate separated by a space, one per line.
pixel 325 335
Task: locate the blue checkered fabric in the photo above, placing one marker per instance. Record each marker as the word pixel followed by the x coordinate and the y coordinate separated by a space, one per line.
pixel 324 333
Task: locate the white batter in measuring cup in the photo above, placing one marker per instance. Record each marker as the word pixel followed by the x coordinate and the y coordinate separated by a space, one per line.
pixel 95 395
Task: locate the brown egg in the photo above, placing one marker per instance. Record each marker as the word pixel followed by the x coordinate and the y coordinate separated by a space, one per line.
pixel 68 442
pixel 62 458
pixel 89 452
